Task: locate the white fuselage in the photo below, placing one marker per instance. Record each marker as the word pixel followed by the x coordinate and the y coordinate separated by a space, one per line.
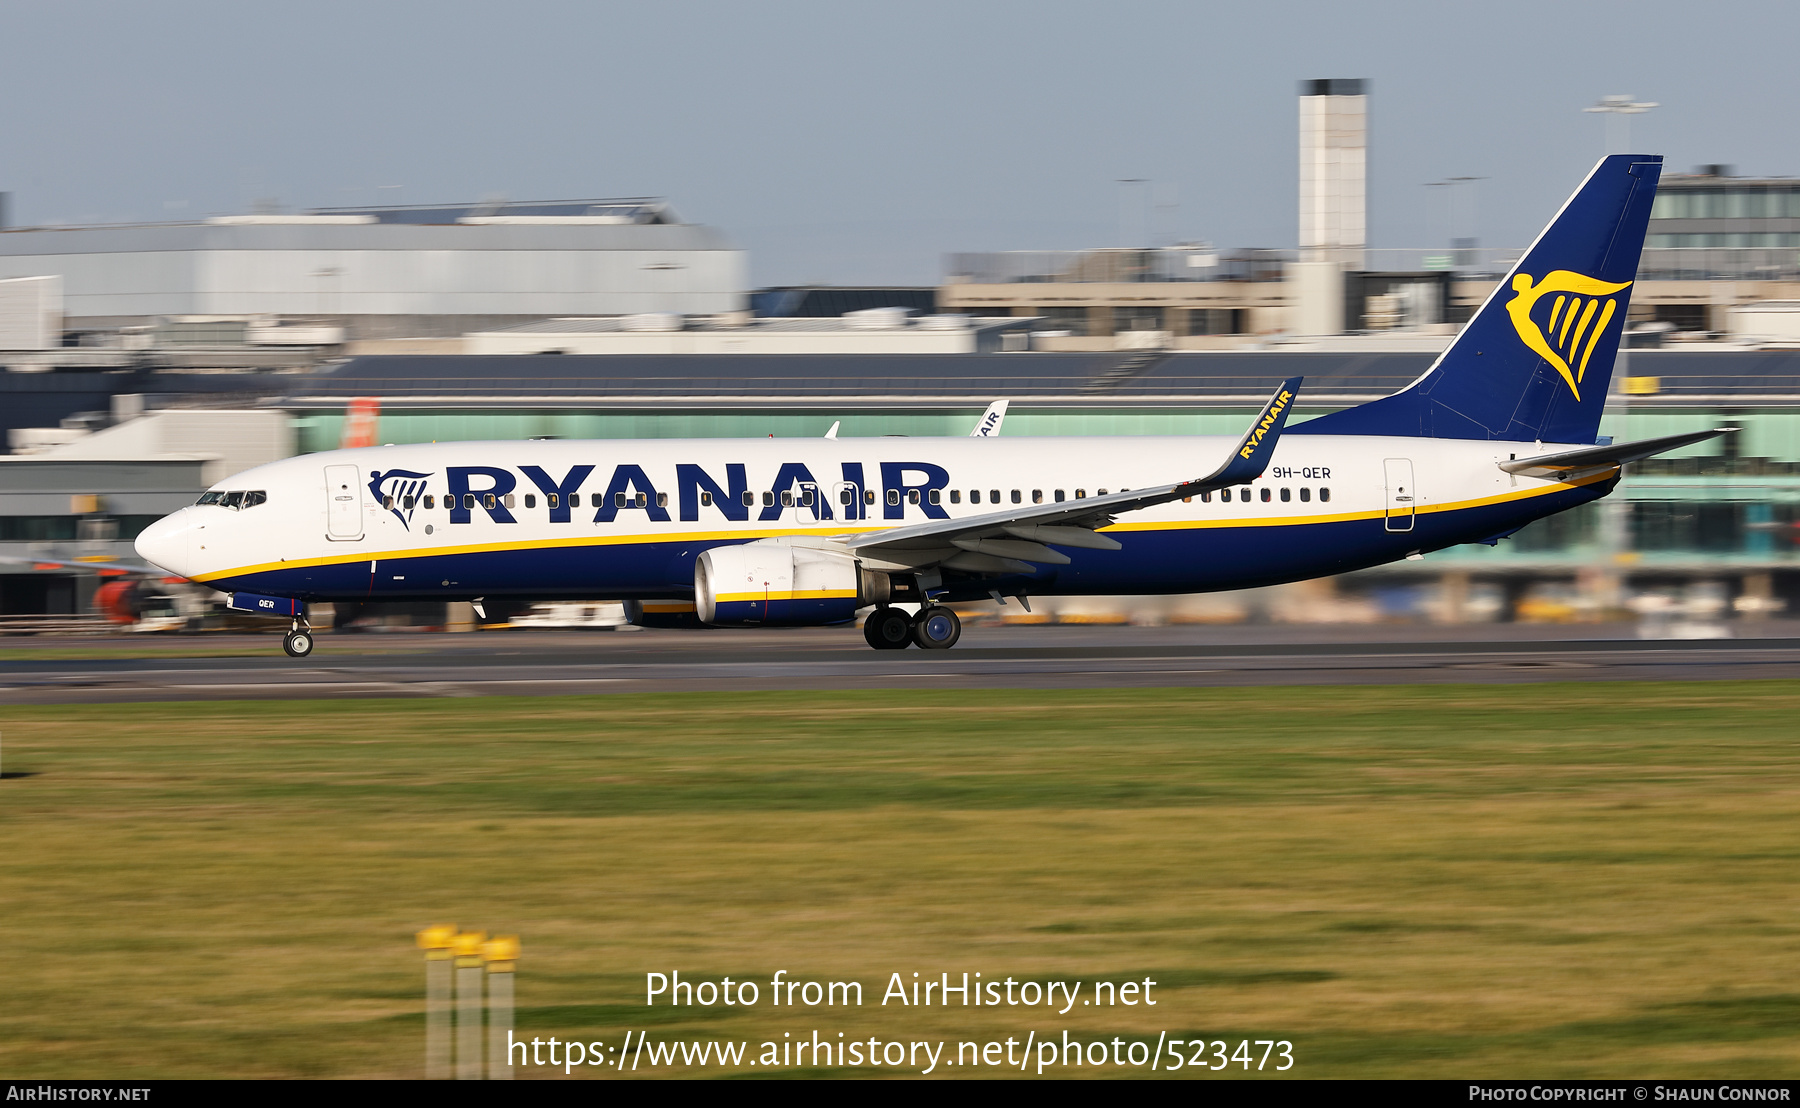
pixel 340 524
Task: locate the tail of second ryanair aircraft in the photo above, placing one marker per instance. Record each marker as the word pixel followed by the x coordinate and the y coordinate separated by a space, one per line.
pixel 1534 363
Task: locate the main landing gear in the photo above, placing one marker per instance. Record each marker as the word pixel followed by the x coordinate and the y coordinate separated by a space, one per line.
pixel 934 628
pixel 298 642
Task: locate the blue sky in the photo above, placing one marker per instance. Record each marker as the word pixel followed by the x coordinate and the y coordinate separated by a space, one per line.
pixel 857 143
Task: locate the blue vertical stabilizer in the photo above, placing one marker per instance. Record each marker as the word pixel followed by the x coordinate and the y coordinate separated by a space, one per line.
pixel 1535 362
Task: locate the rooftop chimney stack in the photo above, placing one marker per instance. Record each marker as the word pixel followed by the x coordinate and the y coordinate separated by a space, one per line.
pixel 1334 148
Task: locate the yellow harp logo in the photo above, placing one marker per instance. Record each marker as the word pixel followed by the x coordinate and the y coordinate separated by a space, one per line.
pixel 1559 338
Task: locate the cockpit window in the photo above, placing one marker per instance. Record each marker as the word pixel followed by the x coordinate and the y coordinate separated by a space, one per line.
pixel 236 501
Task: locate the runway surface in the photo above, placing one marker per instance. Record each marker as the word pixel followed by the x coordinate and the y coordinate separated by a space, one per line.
pixel 814 661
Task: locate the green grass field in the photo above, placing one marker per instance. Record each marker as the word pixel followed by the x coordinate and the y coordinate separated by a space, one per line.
pixel 1541 880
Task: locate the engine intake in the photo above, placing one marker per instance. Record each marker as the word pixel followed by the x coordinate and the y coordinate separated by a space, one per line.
pixel 772 584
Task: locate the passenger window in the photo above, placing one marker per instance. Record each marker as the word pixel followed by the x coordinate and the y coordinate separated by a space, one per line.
pixel 806 497
pixel 749 499
pixel 893 496
pixel 1016 498
pixel 575 500
pixel 508 501
pixel 1286 496
pixel 662 500
pixel 1305 495
pixel 787 499
pixel 1037 496
pixel 387 502
pixel 1206 498
pixel 1243 495
pixel 845 496
pixel 935 497
pixel 530 500
pixel 1324 495
pixel 468 501
pixel 912 496
pixel 1265 495
pixel 1059 496
pixel 618 500
pixel 868 496
pixel 1099 492
pixel 550 500
pixel 1081 494
pixel 488 501
pixel 706 499
pixel 974 496
pixel 430 501
pixel 643 500
pixel 956 496
pixel 994 495
pixel 769 499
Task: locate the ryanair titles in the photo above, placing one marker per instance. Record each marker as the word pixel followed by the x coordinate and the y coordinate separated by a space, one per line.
pixel 693 492
pixel 1270 415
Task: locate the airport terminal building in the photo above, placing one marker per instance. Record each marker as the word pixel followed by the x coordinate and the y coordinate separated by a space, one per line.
pixel 1721 515
pixel 388 272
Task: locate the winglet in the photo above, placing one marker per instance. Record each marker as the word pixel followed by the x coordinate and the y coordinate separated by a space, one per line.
pixel 988 426
pixel 832 434
pixel 1251 457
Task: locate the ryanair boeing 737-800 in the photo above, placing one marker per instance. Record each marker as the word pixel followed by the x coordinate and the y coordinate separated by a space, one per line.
pixel 1500 431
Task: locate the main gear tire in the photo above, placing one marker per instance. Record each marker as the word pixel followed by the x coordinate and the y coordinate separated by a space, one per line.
pixel 888 629
pixel 936 628
pixel 297 644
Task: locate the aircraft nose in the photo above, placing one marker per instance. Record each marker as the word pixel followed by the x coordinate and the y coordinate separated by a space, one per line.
pixel 165 544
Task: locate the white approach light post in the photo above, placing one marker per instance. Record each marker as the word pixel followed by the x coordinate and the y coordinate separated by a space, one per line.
pixel 467 948
pixel 1618 110
pixel 501 955
pixel 436 942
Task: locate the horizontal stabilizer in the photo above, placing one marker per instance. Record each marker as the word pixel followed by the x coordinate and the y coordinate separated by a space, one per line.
pixel 1606 457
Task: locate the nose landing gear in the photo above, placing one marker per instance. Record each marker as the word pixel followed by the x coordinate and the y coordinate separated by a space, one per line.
pixel 298 642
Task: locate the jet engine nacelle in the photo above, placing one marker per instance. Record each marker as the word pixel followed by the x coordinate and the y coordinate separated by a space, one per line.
pixel 770 583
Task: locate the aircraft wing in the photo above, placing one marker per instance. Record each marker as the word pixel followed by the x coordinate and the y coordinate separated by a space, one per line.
pixel 1010 541
pixel 1567 462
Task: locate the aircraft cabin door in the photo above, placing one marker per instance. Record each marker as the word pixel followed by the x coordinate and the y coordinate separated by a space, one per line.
pixel 343 503
pixel 1400 493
